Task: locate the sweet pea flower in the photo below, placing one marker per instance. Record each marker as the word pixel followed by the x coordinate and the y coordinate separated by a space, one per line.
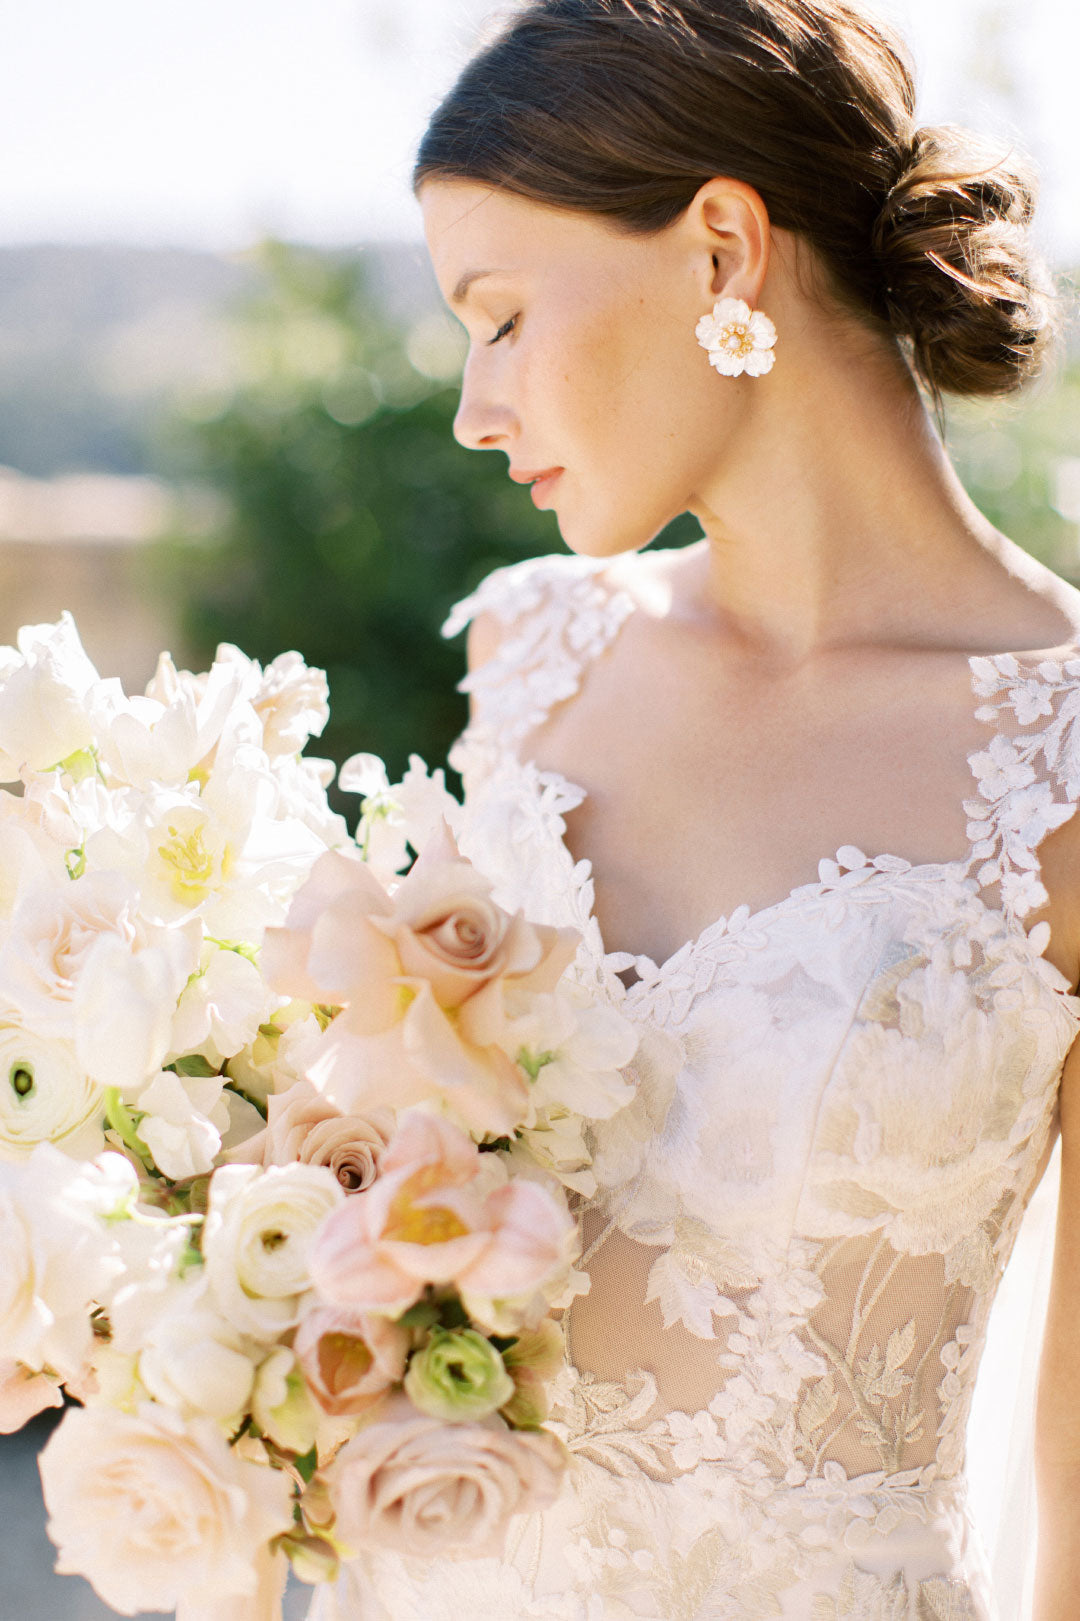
pixel 47 699
pixel 184 1118
pixel 282 1405
pixel 195 1361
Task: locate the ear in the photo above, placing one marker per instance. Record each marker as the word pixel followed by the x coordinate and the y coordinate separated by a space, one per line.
pixel 730 238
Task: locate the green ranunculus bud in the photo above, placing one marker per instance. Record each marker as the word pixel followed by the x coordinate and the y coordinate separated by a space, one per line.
pixel 458 1375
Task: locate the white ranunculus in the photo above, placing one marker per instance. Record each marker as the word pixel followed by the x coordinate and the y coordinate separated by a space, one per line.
pixel 59 1257
pixel 158 1513
pixel 257 1238
pixel 195 1361
pixel 46 1096
pixel 184 1118
pixel 46 698
pixel 222 1007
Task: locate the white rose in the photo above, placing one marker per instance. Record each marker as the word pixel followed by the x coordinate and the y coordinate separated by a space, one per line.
pixel 157 1513
pixel 184 1118
pixel 54 931
pixel 258 1234
pixel 195 1361
pixel 59 1257
pixel 46 1096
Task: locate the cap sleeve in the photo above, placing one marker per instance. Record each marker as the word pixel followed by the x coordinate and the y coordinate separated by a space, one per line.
pixel 559 611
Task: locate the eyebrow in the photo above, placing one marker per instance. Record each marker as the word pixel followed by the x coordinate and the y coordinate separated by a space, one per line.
pixel 458 295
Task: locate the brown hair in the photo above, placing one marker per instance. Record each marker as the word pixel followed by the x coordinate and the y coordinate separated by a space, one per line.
pixel 624 108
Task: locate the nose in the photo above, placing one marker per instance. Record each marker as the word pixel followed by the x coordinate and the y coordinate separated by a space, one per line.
pixel 480 422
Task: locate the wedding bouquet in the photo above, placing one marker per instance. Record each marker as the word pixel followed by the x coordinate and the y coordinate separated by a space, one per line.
pixel 286 1138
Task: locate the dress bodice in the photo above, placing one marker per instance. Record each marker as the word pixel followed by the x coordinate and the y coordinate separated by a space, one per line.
pixel 845 1100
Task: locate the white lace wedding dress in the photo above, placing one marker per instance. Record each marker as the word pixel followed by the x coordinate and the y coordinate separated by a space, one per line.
pixel 846 1100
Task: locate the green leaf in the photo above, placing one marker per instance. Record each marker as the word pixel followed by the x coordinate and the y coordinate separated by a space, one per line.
pixel 196 1067
pixel 307 1465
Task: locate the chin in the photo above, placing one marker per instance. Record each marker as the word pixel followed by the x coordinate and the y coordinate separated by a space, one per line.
pixel 607 545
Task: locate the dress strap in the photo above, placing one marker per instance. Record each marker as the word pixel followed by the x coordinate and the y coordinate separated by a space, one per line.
pixel 562 610
pixel 1028 775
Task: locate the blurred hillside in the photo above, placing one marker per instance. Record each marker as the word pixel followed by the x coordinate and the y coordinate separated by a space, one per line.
pixel 99 345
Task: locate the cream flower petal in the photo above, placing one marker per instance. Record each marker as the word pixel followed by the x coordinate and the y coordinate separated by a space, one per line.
pixel 762 330
pixel 726 363
pixel 731 309
pixel 759 362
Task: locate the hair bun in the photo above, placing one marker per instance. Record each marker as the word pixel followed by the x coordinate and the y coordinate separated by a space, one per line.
pixel 960 277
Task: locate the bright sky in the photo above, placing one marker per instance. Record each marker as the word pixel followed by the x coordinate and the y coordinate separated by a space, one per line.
pixel 209 122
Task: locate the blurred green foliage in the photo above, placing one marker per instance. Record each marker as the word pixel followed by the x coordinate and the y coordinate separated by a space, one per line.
pixel 354 519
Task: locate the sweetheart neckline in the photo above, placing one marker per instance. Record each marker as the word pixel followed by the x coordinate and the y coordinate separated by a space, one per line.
pixel 538 777
pixel 882 862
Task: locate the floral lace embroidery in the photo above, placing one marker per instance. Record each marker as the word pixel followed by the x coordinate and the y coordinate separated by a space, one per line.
pixel 1024 806
pixel 563 615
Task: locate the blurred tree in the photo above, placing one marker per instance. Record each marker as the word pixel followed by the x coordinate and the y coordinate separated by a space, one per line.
pixel 356 519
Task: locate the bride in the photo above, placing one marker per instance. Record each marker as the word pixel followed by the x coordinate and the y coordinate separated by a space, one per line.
pixel 806 784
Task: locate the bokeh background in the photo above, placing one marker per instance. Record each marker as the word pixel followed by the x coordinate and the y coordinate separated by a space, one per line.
pixel 227 379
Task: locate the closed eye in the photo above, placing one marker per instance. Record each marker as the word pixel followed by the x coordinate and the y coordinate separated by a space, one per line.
pixel 506 327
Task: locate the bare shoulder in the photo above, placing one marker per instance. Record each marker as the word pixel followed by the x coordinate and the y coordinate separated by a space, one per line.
pixel 486 631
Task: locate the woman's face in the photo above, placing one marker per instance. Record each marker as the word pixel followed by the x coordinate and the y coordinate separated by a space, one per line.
pixel 582 356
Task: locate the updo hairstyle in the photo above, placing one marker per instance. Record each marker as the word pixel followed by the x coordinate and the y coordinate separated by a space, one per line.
pixel 624 108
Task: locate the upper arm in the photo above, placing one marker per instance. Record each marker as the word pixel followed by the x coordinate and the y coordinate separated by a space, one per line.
pixel 485 633
pixel 1057 1415
pixel 1057 1437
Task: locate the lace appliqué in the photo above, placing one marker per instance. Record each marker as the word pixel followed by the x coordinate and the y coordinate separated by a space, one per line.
pixel 1020 804
pixel 563 614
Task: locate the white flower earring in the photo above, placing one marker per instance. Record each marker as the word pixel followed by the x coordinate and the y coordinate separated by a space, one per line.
pixel 737 338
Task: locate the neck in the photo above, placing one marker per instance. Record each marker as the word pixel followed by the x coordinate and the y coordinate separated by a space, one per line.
pixel 839 525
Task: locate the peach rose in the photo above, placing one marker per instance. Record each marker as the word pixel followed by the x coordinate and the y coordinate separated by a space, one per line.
pixel 350 1359
pixel 423 1487
pixel 422 974
pixel 439 1212
pixel 304 1126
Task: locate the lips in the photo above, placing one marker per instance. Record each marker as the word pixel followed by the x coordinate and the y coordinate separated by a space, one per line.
pixel 521 476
